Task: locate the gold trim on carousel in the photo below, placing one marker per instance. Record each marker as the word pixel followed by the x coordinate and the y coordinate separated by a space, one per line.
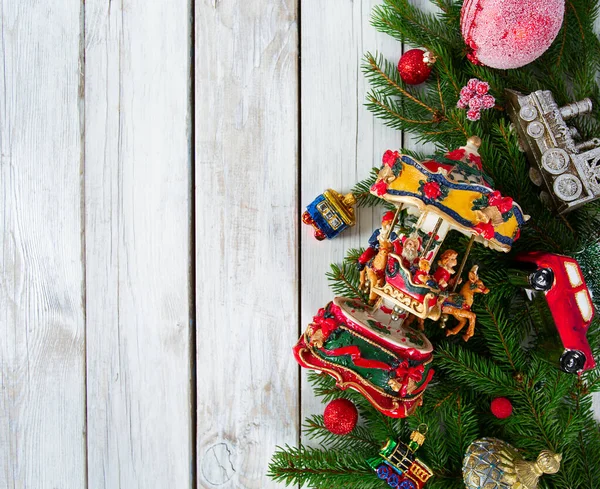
pixel 358 387
pixel 407 302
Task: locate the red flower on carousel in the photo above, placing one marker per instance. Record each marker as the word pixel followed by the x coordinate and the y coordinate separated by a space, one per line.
pixel 486 229
pixel 380 187
pixel 475 159
pixel 456 155
pixel 390 157
pixel 432 190
pixel 504 204
pixel 405 373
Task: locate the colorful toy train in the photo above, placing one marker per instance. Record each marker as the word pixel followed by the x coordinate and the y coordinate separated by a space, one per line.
pixel 398 466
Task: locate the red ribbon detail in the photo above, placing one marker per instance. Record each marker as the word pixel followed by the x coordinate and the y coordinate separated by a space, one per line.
pixel 327 325
pixel 405 373
pixel 357 358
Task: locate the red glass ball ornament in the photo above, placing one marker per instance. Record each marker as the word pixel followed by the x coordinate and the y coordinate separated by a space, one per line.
pixel 509 33
pixel 501 407
pixel 340 416
pixel 413 68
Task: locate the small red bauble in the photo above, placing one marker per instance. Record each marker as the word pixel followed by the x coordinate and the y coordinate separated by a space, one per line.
pixel 340 416
pixel 415 66
pixel 501 407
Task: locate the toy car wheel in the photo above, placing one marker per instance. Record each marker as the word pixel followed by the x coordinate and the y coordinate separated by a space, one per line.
pixel 572 361
pixel 393 480
pixel 306 219
pixel 383 472
pixel 407 484
pixel 320 235
pixel 542 279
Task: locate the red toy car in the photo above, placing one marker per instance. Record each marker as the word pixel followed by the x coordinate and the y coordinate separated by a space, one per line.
pixel 560 279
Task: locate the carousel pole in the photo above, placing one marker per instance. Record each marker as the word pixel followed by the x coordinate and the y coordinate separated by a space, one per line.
pixel 463 261
pixel 394 316
pixel 431 240
pixel 394 222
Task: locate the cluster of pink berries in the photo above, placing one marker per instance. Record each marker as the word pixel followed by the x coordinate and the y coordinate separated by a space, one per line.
pixel 474 97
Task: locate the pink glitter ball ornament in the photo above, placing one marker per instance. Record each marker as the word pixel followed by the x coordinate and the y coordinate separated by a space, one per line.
pixel 510 33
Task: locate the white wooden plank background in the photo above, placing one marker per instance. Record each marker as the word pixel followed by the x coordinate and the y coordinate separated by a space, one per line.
pixel 155 158
pixel 246 237
pixel 137 240
pixel 42 325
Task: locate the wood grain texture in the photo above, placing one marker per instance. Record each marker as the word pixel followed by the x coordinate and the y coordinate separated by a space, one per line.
pixel 137 187
pixel 246 242
pixel 341 140
pixel 42 386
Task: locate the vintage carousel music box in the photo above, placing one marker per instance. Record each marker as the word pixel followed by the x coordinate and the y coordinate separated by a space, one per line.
pixel 370 347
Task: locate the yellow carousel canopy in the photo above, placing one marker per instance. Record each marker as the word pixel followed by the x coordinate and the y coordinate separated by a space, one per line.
pixel 455 188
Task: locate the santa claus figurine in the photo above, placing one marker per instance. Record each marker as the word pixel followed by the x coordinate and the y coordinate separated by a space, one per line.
pixel 410 251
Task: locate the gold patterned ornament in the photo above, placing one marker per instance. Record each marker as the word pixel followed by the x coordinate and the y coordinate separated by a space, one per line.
pixel 491 463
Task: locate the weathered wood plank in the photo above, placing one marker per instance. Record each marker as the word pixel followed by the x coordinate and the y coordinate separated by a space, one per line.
pixel 137 184
pixel 42 386
pixel 341 140
pixel 246 240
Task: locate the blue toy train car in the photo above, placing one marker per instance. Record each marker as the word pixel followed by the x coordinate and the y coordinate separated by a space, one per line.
pixel 330 213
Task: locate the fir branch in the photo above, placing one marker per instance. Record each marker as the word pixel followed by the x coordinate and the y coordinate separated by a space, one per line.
pixel 452 78
pixel 569 4
pixel 318 469
pixel 502 337
pixel 359 440
pixel 407 22
pixel 352 255
pixel 344 280
pixel 324 387
pixel 362 191
pixel 461 429
pixel 388 77
pixel 479 373
pixel 383 106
